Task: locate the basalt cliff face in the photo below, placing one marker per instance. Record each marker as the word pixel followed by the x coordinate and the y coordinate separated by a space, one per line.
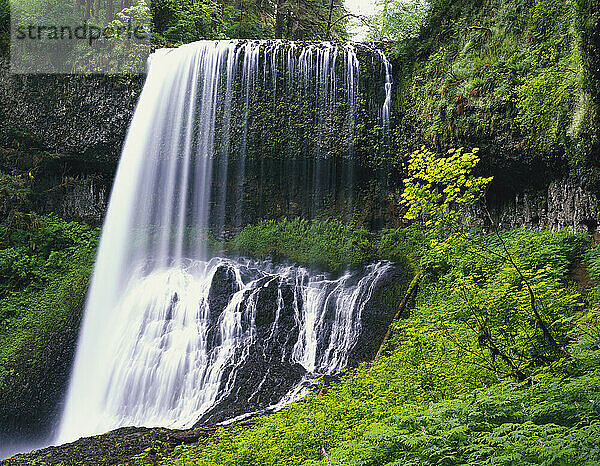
pixel 67 131
pixel 563 203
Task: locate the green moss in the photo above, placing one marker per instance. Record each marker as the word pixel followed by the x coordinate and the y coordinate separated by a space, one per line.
pixel 329 244
pixel 509 77
pixel 45 269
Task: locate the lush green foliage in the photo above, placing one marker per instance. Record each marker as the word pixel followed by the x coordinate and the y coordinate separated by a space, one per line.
pixel 181 21
pixel 436 396
pixel 30 258
pixel 398 19
pixel 499 66
pixel 44 272
pixel 588 25
pixel 14 194
pixel 491 297
pixel 323 243
pixel 505 76
pixel 329 244
pixel 520 317
pixel 593 266
pixel 176 22
pixel 553 422
pixel 436 186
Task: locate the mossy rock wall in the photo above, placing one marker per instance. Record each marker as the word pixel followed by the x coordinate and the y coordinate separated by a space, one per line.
pixel 67 131
pixel 45 272
pixel 517 79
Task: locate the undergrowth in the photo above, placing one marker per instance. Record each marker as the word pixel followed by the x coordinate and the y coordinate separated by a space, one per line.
pixel 44 273
pixel 438 393
pixel 328 244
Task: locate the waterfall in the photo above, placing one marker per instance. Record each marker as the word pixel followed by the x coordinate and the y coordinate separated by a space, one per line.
pixel 171 336
pixel 387 103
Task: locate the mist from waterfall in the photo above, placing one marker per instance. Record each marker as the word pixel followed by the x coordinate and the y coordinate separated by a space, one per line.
pixel 170 335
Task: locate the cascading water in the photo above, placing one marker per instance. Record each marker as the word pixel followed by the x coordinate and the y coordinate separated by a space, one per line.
pixel 387 104
pixel 170 336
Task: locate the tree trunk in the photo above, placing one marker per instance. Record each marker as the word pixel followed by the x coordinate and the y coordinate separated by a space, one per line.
pixel 109 11
pixel 329 19
pixel 279 19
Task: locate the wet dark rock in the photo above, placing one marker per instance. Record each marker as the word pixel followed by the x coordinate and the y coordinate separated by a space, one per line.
pixel 563 203
pixel 128 445
pixel 266 306
pixel 257 387
pixel 223 287
pixel 268 372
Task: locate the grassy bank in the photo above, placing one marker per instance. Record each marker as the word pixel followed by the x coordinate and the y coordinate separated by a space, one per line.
pixel 328 244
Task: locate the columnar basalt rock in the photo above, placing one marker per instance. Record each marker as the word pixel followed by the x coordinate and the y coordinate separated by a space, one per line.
pixel 68 131
pixel 563 204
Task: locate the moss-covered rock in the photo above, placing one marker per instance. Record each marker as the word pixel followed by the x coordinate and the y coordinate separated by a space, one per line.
pixel 45 274
pixel 67 131
pixel 128 445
